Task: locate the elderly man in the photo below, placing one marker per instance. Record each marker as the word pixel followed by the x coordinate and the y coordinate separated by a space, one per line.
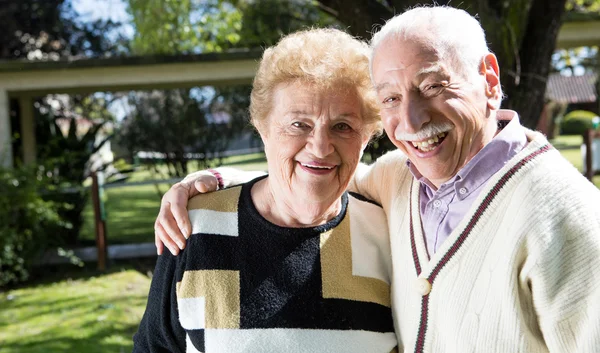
pixel 495 237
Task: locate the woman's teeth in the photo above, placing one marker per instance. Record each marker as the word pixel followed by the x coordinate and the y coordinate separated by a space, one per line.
pixel 317 166
pixel 429 144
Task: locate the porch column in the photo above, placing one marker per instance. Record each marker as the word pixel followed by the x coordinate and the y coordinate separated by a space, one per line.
pixel 6 153
pixel 27 129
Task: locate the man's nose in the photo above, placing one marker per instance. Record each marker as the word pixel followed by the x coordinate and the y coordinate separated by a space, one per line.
pixel 413 115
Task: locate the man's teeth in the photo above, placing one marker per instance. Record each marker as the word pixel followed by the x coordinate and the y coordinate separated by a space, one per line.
pixel 317 166
pixel 429 144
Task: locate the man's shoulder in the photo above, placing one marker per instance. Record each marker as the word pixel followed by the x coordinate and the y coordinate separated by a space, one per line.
pixel 547 179
pixel 395 158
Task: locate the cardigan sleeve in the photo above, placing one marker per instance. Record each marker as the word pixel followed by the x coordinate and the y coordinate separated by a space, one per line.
pixel 160 330
pixel 379 180
pixel 565 277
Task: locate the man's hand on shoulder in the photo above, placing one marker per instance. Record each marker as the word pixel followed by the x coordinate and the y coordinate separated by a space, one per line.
pixel 172 226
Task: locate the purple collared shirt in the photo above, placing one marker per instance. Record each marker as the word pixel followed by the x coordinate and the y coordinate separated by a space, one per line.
pixel 442 210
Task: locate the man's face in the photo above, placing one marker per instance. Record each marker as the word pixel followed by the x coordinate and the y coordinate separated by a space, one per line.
pixel 439 115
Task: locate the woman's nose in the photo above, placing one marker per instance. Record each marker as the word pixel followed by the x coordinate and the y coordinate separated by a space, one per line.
pixel 320 144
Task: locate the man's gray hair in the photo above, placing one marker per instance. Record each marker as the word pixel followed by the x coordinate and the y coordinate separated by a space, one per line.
pixel 454 34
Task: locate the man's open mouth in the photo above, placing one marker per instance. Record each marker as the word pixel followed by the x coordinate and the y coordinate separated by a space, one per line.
pixel 429 144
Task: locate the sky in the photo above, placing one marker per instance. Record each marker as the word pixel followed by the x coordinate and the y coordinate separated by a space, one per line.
pixel 115 10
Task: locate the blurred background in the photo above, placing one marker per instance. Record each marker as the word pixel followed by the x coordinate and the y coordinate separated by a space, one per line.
pixel 106 103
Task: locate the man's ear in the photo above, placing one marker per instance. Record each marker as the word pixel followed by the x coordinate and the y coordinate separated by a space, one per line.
pixel 491 72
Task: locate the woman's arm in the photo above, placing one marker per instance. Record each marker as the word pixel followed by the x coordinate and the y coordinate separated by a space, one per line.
pixel 160 330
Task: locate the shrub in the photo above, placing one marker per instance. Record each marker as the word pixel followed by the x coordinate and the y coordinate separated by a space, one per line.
pixel 577 122
pixel 28 224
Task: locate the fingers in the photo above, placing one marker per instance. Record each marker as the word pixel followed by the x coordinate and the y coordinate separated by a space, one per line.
pixel 165 239
pixel 206 183
pixel 171 226
pixel 178 198
pixel 158 243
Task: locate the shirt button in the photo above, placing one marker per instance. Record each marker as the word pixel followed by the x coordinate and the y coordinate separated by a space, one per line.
pixel 437 203
pixel 462 191
pixel 423 286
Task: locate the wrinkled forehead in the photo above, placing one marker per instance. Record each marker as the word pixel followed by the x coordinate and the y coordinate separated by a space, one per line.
pixel 397 54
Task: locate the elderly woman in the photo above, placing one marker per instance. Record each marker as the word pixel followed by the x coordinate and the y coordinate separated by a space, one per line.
pixel 288 262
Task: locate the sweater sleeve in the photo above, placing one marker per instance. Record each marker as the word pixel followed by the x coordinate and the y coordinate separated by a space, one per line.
pixel 160 330
pixel 565 278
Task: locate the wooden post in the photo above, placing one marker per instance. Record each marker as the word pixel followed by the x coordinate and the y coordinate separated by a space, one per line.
pixel 588 140
pixel 100 223
pixel 27 129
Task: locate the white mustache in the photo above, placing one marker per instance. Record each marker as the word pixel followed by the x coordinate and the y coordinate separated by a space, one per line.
pixel 426 132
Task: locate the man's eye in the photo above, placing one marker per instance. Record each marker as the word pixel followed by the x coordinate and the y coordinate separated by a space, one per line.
pixel 392 101
pixel 434 86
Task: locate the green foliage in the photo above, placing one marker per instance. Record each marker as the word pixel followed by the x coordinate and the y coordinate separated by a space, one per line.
pixel 28 223
pixel 183 26
pixel 577 122
pixel 193 26
pixel 583 5
pixel 69 131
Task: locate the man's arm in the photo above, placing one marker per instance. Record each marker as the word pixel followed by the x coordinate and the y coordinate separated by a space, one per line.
pixel 172 226
pixel 378 180
pixel 565 280
pixel 160 330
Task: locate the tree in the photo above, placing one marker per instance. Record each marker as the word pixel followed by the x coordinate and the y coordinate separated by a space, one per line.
pixel 49 30
pixel 177 126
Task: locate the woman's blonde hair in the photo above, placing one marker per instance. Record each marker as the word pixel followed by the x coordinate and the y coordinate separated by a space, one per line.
pixel 325 58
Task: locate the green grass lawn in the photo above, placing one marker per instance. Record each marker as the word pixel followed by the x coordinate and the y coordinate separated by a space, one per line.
pixel 131 210
pixel 91 314
pixel 570 148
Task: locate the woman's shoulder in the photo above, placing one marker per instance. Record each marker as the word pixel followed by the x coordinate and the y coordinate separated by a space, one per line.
pixel 365 213
pixel 215 212
pixel 225 200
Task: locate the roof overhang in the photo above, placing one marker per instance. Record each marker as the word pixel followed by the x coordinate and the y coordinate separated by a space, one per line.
pixel 124 74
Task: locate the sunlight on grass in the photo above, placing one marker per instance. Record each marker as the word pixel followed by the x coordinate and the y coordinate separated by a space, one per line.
pixel 96 314
pixel 131 210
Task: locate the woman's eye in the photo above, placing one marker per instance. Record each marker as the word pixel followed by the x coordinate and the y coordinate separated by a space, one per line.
pixel 342 127
pixel 299 124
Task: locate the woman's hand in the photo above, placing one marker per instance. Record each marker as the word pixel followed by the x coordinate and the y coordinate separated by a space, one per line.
pixel 172 226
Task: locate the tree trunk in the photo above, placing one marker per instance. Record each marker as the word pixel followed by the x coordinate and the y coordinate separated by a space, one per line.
pixel 526 91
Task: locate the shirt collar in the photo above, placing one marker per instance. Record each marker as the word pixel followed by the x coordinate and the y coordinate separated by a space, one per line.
pixel 506 144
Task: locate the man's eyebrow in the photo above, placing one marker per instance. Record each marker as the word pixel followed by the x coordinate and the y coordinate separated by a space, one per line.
pixel 433 69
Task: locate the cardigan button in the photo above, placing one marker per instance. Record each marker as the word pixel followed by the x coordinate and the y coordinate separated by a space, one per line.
pixel 423 286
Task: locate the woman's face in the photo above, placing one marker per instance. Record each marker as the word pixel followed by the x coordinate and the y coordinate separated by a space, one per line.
pixel 313 140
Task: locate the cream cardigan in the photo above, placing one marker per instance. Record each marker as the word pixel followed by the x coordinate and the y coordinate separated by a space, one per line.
pixel 521 273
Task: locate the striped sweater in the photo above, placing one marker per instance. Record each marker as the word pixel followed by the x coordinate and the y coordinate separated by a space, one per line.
pixel 244 284
pixel 521 272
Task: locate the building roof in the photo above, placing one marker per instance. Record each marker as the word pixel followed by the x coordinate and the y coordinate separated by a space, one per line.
pixel 572 89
